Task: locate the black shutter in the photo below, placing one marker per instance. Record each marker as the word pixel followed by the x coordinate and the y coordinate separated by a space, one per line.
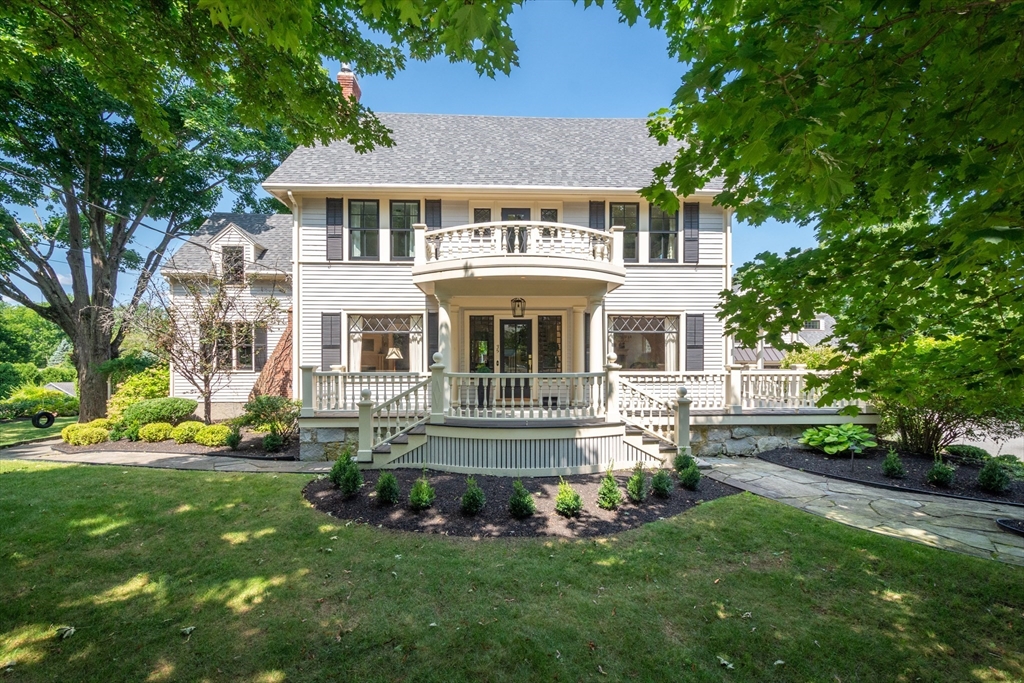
pixel 433 337
pixel 597 215
pixel 335 229
pixel 694 342
pixel 432 213
pixel 691 233
pixel 330 340
pixel 260 346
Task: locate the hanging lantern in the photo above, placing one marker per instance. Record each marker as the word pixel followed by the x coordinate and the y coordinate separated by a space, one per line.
pixel 518 307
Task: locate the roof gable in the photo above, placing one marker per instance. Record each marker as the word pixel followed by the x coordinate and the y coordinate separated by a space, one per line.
pixel 271 232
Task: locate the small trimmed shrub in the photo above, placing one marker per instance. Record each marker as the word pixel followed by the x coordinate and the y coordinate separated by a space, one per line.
pixel 422 494
pixel 345 474
pixel 67 434
pixel 173 410
pixel 661 484
pixel 186 431
pixel 834 439
pixel 682 461
pixel 275 414
pixel 272 443
pixel 690 478
pixel 521 504
pixel 892 466
pixel 994 477
pixel 87 436
pixel 101 422
pixel 968 454
pixel 473 500
pixel 234 439
pixel 636 485
pixel 609 496
pixel 213 435
pixel 156 431
pixel 568 502
pixel 151 383
pixel 941 474
pixel 387 489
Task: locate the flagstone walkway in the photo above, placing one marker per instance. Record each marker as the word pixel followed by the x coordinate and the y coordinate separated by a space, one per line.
pixel 961 525
pixel 965 526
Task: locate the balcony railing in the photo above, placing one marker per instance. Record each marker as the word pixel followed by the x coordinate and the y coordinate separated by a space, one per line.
pixel 520 238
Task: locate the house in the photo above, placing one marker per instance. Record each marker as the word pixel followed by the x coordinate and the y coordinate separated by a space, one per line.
pixel 494 294
pixel 814 332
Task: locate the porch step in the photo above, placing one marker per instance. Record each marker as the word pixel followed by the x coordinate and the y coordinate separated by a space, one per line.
pixel 401 438
pixel 418 430
pixel 383 448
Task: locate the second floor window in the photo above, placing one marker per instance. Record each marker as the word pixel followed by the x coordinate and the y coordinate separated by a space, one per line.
pixel 628 216
pixel 233 263
pixel 664 235
pixel 241 346
pixel 364 229
pixel 403 216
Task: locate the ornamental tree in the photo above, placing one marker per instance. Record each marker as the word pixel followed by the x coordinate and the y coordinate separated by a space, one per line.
pixel 894 129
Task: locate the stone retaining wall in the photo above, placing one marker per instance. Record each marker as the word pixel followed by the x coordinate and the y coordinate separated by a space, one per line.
pixel 743 439
pixel 326 443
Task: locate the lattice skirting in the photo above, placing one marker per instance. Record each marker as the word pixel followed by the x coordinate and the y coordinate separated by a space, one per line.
pixel 537 457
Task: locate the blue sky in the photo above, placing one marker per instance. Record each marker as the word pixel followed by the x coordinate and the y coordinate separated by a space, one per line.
pixel 573 62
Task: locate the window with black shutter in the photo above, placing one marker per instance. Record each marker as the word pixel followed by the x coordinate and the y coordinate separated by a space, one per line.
pixel 330 340
pixel 691 233
pixel 433 337
pixel 335 229
pixel 260 346
pixel 694 342
pixel 432 213
pixel 233 263
pixel 597 215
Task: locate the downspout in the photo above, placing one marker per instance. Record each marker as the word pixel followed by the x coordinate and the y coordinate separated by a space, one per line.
pixel 296 299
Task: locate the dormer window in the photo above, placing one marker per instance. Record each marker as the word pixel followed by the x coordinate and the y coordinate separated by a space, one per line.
pixel 812 325
pixel 233 264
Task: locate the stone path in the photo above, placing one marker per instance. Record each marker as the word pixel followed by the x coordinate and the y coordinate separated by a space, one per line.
pixel 962 525
pixel 213 463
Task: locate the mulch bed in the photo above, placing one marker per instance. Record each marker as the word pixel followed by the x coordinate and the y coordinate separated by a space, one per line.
pixel 446 518
pixel 867 469
pixel 251 448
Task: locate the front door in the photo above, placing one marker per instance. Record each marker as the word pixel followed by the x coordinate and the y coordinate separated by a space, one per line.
pixel 510 234
pixel 516 355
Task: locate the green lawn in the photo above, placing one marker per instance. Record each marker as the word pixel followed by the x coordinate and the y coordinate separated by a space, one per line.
pixel 20 430
pixel 277 591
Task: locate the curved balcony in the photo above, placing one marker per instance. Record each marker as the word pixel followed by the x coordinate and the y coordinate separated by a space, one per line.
pixel 535 255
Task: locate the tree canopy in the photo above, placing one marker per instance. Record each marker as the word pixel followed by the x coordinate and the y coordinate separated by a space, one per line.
pixel 26 337
pixel 272 50
pixel 894 129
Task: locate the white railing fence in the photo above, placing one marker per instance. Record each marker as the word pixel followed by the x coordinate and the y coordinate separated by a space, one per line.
pixel 341 391
pixel 782 389
pixel 645 410
pixel 534 238
pixel 539 396
pixel 401 413
pixel 706 390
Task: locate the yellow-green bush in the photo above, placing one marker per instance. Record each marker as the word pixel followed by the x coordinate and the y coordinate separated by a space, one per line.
pixel 85 435
pixel 156 431
pixel 213 435
pixel 153 382
pixel 65 434
pixel 186 431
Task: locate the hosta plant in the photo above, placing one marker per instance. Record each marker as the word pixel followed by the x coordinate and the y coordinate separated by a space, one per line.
pixel 834 439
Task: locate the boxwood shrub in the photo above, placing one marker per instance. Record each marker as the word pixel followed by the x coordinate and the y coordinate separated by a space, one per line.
pixel 213 435
pixel 186 431
pixel 86 436
pixel 155 432
pixel 172 410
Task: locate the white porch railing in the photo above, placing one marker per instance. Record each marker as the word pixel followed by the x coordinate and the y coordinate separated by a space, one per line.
pixel 706 390
pixel 341 391
pixel 527 396
pixel 782 389
pixel 642 409
pixel 403 412
pixel 533 238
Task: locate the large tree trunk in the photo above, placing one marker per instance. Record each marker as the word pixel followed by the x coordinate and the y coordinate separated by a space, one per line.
pixel 276 376
pixel 92 349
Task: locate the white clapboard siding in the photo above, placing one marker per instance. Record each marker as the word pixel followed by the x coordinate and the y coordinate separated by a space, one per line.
pixel 454 213
pixel 576 213
pixel 234 386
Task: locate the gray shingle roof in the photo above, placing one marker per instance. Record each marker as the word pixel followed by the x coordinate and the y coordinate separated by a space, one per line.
pixel 272 231
pixel 441 149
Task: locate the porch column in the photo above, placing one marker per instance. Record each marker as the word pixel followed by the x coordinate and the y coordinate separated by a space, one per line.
pixel 598 342
pixel 444 330
pixel 454 317
pixel 579 351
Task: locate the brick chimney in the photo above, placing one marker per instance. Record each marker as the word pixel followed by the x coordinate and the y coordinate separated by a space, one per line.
pixel 348 82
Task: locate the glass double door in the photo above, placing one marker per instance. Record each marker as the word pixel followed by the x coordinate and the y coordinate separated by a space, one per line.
pixel 517 351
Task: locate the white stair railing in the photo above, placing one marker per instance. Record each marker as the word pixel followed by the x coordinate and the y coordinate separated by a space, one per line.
pixel 647 412
pixel 401 413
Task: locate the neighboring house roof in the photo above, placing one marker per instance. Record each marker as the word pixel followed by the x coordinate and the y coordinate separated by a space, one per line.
pixel 743 355
pixel 273 232
pixel 472 151
pixel 63 387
